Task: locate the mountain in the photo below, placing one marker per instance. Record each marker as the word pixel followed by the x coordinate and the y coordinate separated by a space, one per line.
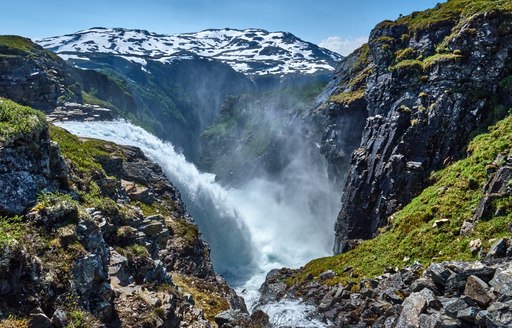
pixel 249 51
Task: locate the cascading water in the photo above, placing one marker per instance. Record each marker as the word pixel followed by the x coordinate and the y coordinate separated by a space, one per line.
pixel 261 226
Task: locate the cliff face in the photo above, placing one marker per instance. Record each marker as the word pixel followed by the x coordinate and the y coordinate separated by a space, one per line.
pixel 95 234
pixel 33 76
pixel 427 83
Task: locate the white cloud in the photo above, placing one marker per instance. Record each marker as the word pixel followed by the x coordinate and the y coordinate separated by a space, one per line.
pixel 343 46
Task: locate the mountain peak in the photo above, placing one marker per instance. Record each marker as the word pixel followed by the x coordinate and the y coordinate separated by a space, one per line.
pixel 251 51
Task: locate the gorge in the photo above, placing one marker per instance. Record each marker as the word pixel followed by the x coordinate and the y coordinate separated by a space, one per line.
pixel 249 178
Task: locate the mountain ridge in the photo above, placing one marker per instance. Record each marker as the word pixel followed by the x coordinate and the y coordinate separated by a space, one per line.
pixel 251 51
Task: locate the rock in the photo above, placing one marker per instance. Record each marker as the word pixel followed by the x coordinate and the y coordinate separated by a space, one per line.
pixel 230 318
pixel 453 305
pixel 60 318
pixel 478 291
pixel 466 228
pixel 475 246
pixel 329 274
pixel 498 249
pixel 438 223
pixel 468 315
pixel 39 320
pixel 259 319
pixel 438 273
pixel 412 307
pixel 502 281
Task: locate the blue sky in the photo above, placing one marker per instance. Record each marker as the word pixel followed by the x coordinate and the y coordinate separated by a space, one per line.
pixel 337 24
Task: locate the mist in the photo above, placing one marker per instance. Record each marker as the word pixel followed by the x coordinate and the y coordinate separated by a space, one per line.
pixel 274 219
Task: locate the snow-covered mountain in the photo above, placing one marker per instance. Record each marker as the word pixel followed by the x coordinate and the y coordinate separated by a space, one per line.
pixel 250 51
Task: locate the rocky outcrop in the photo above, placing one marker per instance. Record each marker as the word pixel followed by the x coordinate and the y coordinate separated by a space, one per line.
pixel 108 242
pixel 425 91
pixel 447 294
pixel 34 77
pixel 29 163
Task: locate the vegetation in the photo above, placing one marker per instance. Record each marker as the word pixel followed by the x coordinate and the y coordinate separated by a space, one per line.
pixel 345 98
pixel 205 298
pixel 11 229
pixel 17 121
pixel 13 45
pixel 453 196
pixel 451 11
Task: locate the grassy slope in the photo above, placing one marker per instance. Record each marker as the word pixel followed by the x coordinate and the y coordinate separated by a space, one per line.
pixel 17 121
pixel 455 191
pixel 454 195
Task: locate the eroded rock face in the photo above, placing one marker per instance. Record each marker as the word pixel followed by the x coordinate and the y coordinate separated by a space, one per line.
pixel 420 116
pixel 36 78
pixel 28 165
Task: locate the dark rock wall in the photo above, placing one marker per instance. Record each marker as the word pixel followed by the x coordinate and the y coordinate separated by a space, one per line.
pixel 421 114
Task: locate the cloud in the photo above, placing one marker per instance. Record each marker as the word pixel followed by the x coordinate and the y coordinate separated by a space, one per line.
pixel 343 46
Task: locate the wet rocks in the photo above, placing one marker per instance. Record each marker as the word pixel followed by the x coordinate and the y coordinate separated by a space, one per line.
pixel 447 294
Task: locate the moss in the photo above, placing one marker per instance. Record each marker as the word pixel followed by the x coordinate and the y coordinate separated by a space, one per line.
pixel 11 229
pixel 405 54
pixel 432 60
pixel 205 297
pixel 454 195
pixel 346 98
pixel 187 231
pixel 18 121
pixel 133 251
pixel 449 12
pixel 14 322
pixel 408 64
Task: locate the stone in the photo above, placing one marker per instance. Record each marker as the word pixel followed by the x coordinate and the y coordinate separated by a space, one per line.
pixel 260 319
pixel 438 223
pixel 438 273
pixel 412 307
pixel 230 317
pixel 502 280
pixel 478 291
pixel 60 318
pixel 468 315
pixel 39 320
pixel 453 305
pixel 466 228
pixel 475 246
pixel 329 274
pixel 498 249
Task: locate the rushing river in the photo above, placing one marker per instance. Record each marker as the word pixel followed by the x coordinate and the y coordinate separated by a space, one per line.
pixel 261 226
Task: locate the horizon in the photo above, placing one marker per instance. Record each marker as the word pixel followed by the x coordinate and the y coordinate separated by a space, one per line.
pixel 340 27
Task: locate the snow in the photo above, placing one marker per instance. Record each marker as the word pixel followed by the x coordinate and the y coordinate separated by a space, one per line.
pixel 238 48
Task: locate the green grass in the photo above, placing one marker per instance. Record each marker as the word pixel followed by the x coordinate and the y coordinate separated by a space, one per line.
pixel 454 195
pixel 93 100
pixel 18 121
pixel 11 229
pixel 452 11
pixel 13 45
pixel 346 98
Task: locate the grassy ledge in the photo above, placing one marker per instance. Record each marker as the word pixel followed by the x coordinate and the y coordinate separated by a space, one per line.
pixel 17 121
pixel 454 196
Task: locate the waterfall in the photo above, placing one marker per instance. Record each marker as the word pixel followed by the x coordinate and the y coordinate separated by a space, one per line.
pixel 260 226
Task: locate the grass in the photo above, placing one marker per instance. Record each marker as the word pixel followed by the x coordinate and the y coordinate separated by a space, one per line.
pixel 18 121
pixel 93 100
pixel 454 195
pixel 346 98
pixel 452 11
pixel 13 45
pixel 11 230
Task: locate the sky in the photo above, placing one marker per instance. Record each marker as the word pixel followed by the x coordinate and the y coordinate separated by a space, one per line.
pixel 340 25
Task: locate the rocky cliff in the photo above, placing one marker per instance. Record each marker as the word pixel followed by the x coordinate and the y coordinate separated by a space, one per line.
pixel 33 76
pixel 421 88
pixel 93 234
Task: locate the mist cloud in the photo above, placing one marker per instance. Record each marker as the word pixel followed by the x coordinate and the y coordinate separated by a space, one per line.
pixel 343 46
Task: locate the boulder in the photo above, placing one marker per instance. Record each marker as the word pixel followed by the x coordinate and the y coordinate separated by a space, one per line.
pixel 478 291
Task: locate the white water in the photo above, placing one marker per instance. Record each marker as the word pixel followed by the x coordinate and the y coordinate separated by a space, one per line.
pixel 251 230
